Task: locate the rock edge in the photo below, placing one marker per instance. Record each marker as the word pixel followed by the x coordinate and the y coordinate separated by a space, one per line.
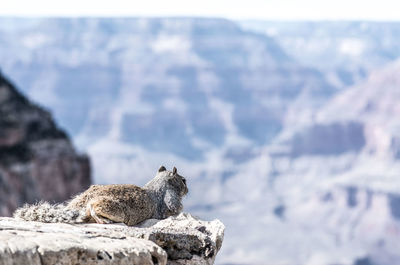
pixel 181 239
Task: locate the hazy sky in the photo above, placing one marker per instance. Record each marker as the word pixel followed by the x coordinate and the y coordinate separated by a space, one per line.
pixel 248 9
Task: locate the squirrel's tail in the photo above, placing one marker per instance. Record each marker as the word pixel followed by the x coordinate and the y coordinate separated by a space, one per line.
pixel 48 213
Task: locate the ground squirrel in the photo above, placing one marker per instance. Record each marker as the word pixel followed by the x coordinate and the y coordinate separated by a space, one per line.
pixel 124 203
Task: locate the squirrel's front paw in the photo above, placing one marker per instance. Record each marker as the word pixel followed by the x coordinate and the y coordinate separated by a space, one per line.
pixel 102 220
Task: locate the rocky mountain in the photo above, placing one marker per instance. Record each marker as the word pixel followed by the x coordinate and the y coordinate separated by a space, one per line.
pixel 294 147
pixel 37 160
pixel 346 51
pixel 348 159
pixel 136 75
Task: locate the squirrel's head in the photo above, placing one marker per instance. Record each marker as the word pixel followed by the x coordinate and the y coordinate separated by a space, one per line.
pixel 173 180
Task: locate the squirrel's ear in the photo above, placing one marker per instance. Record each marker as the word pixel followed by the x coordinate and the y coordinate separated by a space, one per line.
pixel 174 170
pixel 161 169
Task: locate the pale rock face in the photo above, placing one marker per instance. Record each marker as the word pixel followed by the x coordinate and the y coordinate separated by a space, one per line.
pixel 176 240
pixel 212 234
pixel 35 243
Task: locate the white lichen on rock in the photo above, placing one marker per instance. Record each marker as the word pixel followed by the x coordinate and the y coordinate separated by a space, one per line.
pixel 180 239
pixel 200 244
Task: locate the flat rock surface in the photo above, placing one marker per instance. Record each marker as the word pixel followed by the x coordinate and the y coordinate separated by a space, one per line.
pixel 182 239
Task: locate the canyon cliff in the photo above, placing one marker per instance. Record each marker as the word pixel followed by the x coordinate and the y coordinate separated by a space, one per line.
pixel 37 159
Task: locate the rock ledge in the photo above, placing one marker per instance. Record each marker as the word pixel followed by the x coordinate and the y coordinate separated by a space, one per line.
pixel 181 239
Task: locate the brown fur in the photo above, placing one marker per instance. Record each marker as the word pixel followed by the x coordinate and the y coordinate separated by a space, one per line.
pixel 120 203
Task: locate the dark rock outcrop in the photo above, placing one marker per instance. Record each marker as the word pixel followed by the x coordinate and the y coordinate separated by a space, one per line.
pixel 37 159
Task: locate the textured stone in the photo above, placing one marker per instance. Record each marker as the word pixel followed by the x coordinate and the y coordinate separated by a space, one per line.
pixel 186 239
pixel 182 239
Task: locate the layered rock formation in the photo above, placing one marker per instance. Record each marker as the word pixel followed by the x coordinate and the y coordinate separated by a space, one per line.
pixel 37 160
pixel 175 240
pixel 182 86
